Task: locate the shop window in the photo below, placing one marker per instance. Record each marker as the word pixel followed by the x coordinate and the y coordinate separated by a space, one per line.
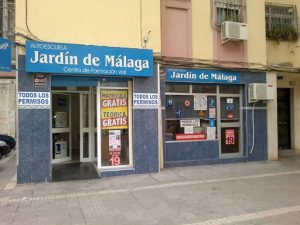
pixel 191 116
pixel 114 128
pixel 180 88
pixel 229 89
pixel 207 112
pixel 204 88
pixel 229 10
pixel 281 22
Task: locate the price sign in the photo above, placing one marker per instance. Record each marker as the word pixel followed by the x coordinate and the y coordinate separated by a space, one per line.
pixel 115 147
pixel 229 136
pixel 115 157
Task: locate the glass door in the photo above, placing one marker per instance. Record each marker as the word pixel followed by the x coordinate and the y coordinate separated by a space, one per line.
pixel 87 128
pixel 61 124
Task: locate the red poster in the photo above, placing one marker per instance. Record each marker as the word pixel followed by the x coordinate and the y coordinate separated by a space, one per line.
pixel 199 136
pixel 115 147
pixel 229 136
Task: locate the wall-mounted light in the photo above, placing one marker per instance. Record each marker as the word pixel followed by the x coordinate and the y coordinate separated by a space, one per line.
pixel 146 38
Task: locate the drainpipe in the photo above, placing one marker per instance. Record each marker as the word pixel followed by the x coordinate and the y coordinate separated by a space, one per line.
pixel 5 18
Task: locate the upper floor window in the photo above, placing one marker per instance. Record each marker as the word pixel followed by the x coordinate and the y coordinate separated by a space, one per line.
pixel 229 10
pixel 281 22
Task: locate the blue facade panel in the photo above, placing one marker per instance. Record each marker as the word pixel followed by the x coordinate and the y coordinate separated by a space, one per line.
pixel 145 129
pixel 34 135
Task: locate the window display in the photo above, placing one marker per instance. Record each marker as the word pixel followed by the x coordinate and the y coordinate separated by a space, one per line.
pixel 191 116
pixel 114 127
pixel 206 112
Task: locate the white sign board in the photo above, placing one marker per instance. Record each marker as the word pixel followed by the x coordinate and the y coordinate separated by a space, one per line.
pixel 188 130
pixel 145 100
pixel 190 123
pixel 211 133
pixel 34 100
pixel 200 102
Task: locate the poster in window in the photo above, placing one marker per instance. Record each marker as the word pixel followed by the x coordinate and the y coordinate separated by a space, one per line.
pixel 115 147
pixel 211 133
pixel 211 102
pixel 229 137
pixel 200 102
pixel 212 113
pixel 188 130
pixel 114 109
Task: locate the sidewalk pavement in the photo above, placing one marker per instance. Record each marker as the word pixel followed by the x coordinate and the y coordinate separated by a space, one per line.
pixel 246 193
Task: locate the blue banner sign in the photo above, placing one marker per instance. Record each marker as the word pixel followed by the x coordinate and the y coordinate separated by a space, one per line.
pixel 5 55
pixel 87 59
pixel 202 76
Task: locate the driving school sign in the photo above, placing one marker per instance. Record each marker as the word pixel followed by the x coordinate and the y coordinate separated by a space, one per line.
pixel 34 100
pixel 202 76
pixel 114 109
pixel 5 55
pixel 50 57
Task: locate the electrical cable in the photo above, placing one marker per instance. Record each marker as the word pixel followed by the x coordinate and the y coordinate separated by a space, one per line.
pixel 253 123
pixel 26 21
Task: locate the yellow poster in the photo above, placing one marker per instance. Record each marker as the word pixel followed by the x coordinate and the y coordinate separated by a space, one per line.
pixel 114 109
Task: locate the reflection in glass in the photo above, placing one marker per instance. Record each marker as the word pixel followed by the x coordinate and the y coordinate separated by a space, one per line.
pixel 95 143
pixel 182 88
pixel 200 88
pixel 107 83
pixel 85 145
pixel 85 110
pixel 229 89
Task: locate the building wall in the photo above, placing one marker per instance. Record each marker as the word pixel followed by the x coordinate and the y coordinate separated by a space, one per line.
pixel 8 106
pixel 206 43
pixel 105 23
pixel 202 31
pixel 284 53
pixel 292 81
pixel 256 33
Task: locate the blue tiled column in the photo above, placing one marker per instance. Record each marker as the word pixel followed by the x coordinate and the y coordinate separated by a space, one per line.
pixel 260 148
pixel 145 129
pixel 33 134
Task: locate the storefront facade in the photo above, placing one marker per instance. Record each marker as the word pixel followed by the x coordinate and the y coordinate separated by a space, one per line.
pixel 83 103
pixel 123 112
pixel 208 118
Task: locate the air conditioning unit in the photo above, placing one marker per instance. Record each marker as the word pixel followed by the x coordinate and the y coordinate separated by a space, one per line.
pixel 233 31
pixel 260 91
